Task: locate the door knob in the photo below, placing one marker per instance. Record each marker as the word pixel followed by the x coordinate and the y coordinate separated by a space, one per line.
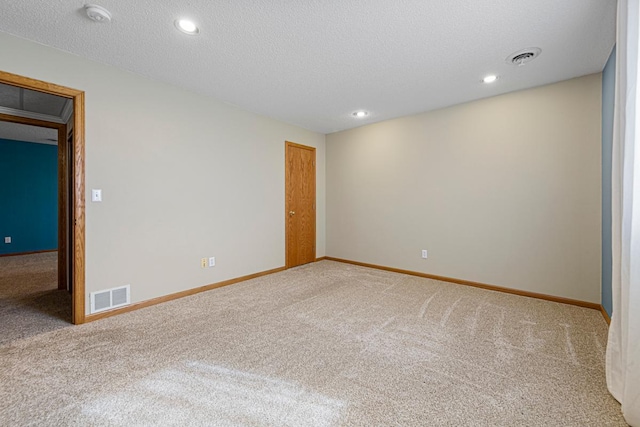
pixel 291 213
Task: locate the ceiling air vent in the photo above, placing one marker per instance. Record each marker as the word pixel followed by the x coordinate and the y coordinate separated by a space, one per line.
pixel 523 56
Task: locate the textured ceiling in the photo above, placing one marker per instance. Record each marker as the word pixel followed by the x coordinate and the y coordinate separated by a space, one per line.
pixel 30 100
pixel 313 62
pixel 19 132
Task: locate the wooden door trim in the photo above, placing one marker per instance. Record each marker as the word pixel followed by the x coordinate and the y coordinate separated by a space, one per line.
pixel 304 147
pixel 288 144
pixel 30 122
pixel 78 243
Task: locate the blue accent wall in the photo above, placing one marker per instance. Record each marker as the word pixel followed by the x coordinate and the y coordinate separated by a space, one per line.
pixel 608 102
pixel 28 196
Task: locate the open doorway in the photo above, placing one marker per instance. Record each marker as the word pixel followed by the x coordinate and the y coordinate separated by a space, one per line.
pixel 32 286
pixel 42 229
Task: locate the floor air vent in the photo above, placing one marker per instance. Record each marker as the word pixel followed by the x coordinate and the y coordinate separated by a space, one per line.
pixel 110 298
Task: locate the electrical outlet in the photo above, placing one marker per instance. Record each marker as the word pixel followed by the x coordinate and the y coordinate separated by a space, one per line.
pixel 203 263
pixel 7 239
pixel 212 261
pixel 424 253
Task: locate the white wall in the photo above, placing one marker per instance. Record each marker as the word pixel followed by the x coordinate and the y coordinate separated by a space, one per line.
pixel 183 177
pixel 504 191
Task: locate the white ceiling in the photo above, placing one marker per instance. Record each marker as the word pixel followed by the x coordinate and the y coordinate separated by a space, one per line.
pixel 313 62
pixel 19 132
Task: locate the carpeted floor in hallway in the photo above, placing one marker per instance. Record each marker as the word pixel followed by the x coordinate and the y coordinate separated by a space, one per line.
pixel 30 302
pixel 325 344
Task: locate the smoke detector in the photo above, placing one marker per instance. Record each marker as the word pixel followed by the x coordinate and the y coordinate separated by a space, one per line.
pixel 97 13
pixel 523 56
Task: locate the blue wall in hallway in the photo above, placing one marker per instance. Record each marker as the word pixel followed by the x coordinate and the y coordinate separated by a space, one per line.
pixel 28 196
pixel 608 101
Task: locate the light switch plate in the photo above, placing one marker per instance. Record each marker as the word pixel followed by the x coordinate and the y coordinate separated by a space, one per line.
pixel 7 239
pixel 96 195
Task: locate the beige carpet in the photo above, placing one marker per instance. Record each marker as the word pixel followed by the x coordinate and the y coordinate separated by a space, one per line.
pixel 30 303
pixel 326 344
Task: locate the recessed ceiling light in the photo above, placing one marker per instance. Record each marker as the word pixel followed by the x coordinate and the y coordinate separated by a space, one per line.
pixel 97 13
pixel 360 114
pixel 490 78
pixel 187 26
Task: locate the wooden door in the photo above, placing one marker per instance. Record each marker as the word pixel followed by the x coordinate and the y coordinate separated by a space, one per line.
pixel 300 204
pixel 63 210
pixel 69 212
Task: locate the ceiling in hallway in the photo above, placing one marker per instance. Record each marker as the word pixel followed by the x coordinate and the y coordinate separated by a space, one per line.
pixel 19 132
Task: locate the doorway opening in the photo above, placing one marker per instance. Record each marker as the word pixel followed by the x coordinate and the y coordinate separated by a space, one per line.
pixel 68 127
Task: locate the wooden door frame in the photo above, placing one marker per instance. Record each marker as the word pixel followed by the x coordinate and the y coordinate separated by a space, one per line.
pixel 288 144
pixel 77 168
